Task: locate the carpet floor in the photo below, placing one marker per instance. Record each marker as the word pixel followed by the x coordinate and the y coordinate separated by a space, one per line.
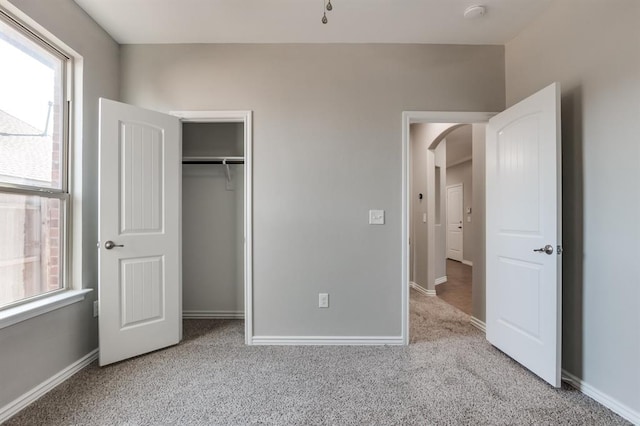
pixel 448 375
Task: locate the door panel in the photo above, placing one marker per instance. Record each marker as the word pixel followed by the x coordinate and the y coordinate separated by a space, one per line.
pixel 520 287
pixel 141 290
pixel 140 277
pixel 142 189
pixel 523 282
pixel 518 173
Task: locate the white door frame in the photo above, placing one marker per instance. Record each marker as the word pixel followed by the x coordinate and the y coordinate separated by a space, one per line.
pixel 408 118
pixel 461 185
pixel 244 117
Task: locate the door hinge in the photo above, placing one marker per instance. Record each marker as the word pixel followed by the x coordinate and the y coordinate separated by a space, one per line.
pixel 559 251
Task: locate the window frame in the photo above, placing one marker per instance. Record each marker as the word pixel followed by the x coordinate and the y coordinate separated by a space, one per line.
pixel 64 193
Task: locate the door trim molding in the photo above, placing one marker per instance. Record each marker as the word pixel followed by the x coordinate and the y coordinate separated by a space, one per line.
pixel 245 117
pixel 408 118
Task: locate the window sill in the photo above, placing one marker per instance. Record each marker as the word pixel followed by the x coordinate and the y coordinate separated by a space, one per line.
pixel 20 313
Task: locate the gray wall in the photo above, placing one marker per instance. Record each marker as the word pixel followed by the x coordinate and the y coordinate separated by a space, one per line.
pixel 327 148
pixel 212 139
pixel 440 161
pixel 478 136
pixel 462 173
pixel 421 137
pixel 418 182
pixel 593 51
pixel 212 239
pixel 212 221
pixel 34 350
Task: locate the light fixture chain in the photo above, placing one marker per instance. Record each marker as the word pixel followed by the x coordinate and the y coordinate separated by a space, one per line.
pixel 326 6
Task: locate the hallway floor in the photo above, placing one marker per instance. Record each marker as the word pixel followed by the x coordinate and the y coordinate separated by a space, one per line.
pixel 457 290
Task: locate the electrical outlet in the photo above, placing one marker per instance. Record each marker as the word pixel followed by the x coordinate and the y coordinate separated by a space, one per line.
pixel 323 300
pixel 95 308
pixel 376 217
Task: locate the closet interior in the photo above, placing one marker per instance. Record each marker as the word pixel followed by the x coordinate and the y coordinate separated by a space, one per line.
pixel 213 220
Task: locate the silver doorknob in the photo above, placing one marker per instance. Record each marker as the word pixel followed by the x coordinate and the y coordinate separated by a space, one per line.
pixel 110 244
pixel 546 249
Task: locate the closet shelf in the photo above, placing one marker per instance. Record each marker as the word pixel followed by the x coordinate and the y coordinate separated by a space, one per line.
pixel 212 160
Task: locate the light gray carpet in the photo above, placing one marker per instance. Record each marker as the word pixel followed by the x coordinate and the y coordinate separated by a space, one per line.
pixel 448 375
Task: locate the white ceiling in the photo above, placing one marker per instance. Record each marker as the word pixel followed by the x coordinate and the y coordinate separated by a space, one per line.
pixel 298 21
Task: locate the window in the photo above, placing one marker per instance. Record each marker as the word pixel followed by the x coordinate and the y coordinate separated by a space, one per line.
pixel 34 193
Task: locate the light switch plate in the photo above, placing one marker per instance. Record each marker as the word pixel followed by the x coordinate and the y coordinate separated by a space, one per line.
pixel 323 300
pixel 376 217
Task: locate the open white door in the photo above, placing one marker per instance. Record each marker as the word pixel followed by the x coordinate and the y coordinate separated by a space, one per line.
pixel 454 222
pixel 139 231
pixel 523 191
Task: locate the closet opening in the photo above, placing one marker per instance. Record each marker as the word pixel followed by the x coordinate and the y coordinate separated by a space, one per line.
pixel 216 216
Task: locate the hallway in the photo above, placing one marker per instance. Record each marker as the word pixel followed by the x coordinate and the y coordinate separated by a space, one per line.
pixel 457 290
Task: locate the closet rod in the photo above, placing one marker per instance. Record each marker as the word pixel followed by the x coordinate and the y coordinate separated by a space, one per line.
pixel 213 160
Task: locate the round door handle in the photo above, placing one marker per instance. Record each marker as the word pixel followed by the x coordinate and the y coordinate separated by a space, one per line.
pixel 110 244
pixel 548 249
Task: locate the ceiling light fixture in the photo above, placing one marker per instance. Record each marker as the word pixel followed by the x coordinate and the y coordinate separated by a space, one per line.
pixel 326 6
pixel 475 11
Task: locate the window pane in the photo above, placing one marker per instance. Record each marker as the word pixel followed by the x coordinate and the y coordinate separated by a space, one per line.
pixel 31 112
pixel 30 247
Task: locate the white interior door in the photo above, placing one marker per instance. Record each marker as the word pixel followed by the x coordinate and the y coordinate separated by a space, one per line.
pixel 523 233
pixel 454 222
pixel 139 231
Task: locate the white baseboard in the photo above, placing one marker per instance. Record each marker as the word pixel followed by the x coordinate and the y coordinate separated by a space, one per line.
pixel 467 262
pixel 327 340
pixel 601 397
pixel 441 280
pixel 420 289
pixel 213 314
pixel 480 325
pixel 32 395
